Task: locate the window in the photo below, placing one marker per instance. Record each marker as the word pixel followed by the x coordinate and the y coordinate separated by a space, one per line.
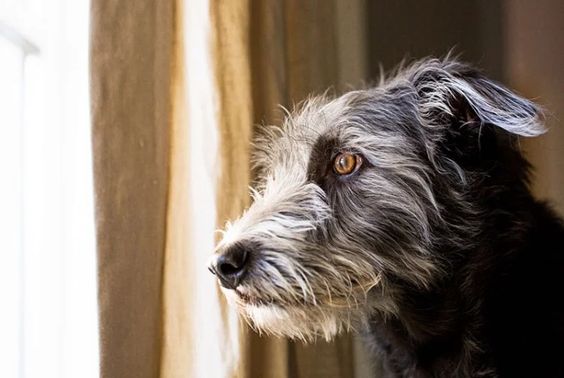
pixel 48 320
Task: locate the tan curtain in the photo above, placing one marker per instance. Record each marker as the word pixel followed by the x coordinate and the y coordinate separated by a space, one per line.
pixel 132 55
pixel 176 89
pixel 536 68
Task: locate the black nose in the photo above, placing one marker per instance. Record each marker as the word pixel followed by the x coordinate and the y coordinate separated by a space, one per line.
pixel 231 266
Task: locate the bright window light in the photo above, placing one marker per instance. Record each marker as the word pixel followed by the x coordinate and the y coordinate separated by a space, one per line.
pixel 48 320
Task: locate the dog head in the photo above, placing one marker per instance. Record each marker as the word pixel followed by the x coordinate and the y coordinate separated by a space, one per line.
pixel 356 196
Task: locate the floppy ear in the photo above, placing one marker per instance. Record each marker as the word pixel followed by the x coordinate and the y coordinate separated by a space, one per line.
pixel 451 90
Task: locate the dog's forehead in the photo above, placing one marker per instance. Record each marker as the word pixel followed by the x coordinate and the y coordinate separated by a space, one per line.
pixel 294 144
pixel 324 119
pixel 320 118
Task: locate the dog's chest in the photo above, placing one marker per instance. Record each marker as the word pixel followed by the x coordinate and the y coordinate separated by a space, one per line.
pixel 402 357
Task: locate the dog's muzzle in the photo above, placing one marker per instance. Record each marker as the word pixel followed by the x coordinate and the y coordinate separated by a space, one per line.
pixel 231 265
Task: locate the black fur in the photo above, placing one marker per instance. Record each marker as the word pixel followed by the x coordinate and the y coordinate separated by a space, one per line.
pixel 505 291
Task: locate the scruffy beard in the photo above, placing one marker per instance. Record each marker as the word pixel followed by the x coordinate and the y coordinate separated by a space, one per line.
pixel 295 322
pixel 304 321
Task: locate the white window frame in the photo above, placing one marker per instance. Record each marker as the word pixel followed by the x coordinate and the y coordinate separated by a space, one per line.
pixel 50 288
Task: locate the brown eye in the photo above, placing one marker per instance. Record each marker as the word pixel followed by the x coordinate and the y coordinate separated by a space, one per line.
pixel 346 163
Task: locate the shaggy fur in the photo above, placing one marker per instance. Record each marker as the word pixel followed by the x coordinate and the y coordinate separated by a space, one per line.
pixel 434 249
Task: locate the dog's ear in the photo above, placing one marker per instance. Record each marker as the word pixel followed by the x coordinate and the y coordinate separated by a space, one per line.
pixel 453 92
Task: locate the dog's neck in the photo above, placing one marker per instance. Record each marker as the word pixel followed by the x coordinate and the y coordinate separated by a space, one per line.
pixel 434 327
pixel 427 327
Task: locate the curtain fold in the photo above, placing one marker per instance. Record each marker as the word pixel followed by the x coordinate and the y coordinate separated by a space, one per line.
pixel 132 54
pixel 534 68
pixel 230 37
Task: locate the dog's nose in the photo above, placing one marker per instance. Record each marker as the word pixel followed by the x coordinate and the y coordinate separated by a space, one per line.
pixel 231 266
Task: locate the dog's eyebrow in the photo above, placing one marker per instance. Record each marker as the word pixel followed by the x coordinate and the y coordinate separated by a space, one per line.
pixel 319 159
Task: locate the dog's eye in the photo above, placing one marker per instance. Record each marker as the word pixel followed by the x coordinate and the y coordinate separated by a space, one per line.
pixel 346 163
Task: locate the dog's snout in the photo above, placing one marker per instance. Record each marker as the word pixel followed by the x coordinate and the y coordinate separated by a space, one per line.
pixel 231 266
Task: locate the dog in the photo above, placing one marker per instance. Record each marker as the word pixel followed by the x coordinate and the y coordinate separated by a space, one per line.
pixel 403 212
